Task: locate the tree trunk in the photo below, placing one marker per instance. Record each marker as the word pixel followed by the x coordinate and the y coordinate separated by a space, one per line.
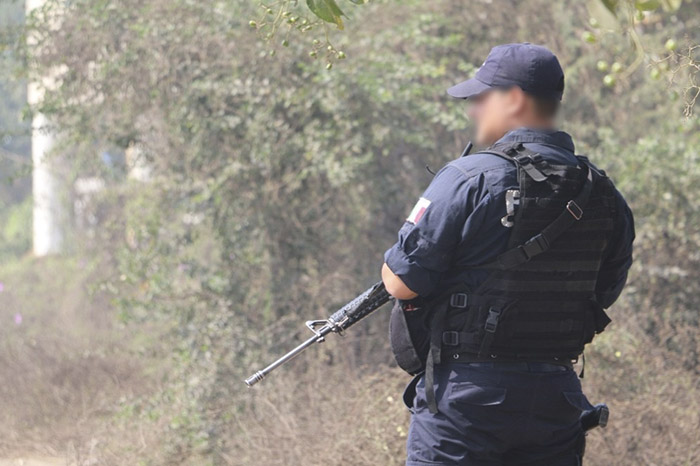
pixel 49 212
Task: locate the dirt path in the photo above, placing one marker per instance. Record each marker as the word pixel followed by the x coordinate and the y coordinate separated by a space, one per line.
pixel 33 461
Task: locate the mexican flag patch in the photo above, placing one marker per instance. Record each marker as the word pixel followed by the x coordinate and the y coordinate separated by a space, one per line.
pixel 418 210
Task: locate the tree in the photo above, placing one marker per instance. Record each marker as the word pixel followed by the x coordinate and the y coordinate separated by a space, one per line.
pixel 277 184
pixel 623 19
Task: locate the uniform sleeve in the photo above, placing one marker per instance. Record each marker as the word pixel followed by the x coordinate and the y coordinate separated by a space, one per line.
pixel 618 256
pixel 431 233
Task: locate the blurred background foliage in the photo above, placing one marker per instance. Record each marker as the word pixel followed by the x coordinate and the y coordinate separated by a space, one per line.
pixel 276 184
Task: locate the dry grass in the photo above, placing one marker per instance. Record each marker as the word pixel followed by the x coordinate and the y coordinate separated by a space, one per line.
pixel 62 362
pixel 70 379
pixel 329 416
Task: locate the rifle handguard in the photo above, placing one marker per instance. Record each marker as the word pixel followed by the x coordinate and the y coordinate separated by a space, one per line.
pixel 360 307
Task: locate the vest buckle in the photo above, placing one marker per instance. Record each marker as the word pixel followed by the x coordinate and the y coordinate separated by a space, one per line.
pixel 492 320
pixel 574 210
pixel 450 338
pixel 523 159
pixel 535 245
pixel 459 300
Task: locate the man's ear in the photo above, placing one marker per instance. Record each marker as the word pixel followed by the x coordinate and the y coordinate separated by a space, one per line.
pixel 518 100
pixel 511 102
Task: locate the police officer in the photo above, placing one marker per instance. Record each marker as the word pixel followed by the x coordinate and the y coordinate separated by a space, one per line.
pixel 502 272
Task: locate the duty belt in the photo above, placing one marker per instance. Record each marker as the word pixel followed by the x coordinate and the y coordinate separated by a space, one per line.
pixel 523 366
pixel 509 363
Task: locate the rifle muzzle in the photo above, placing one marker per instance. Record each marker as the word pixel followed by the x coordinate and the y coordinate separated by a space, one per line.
pixel 255 378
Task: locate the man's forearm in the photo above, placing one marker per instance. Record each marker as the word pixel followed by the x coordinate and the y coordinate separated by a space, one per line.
pixel 395 286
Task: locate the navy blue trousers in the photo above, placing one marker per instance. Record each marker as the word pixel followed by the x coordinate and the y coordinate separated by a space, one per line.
pixel 498 414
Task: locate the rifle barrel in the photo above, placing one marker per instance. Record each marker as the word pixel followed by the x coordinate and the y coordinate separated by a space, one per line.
pixel 259 375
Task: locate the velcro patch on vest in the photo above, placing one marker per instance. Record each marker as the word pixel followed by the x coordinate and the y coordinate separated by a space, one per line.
pixel 418 210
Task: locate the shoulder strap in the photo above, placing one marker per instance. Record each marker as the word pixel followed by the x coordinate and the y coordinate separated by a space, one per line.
pixel 593 168
pixel 541 242
pixel 518 154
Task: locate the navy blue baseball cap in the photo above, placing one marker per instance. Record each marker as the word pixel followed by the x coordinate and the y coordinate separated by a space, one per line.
pixel 535 69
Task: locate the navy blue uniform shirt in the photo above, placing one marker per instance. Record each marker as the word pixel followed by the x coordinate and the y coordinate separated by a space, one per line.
pixel 456 224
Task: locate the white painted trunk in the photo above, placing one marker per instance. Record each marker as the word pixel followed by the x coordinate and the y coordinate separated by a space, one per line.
pixel 49 212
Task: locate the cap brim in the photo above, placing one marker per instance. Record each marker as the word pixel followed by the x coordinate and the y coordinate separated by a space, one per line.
pixel 469 88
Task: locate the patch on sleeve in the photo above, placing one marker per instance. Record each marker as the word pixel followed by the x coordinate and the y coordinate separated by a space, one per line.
pixel 418 210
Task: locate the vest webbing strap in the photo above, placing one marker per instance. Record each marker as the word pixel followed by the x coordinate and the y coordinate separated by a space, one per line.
pixel 434 356
pixel 437 324
pixel 541 242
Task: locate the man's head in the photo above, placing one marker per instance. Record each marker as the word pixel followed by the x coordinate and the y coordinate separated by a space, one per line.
pixel 517 85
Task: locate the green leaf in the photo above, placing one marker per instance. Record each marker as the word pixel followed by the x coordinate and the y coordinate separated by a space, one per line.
pixel 327 10
pixel 359 2
pixel 334 7
pixel 605 12
pixel 647 5
pixel 672 5
pixel 610 5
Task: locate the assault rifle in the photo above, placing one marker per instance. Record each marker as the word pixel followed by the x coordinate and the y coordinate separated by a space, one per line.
pixel 345 317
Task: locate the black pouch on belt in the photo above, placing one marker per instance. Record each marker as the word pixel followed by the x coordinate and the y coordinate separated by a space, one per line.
pixel 409 334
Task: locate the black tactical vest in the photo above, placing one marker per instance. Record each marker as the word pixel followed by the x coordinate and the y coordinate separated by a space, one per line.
pixel 539 301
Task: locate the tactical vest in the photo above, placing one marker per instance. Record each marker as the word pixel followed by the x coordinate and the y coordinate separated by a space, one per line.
pixel 539 300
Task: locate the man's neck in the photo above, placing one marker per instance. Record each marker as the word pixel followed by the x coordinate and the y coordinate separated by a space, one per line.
pixel 533 123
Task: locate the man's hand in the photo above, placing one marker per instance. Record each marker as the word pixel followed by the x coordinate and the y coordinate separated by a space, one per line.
pixel 395 286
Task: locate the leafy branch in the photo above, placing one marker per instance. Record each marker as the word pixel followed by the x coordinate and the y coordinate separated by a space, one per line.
pixel 633 18
pixel 286 17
